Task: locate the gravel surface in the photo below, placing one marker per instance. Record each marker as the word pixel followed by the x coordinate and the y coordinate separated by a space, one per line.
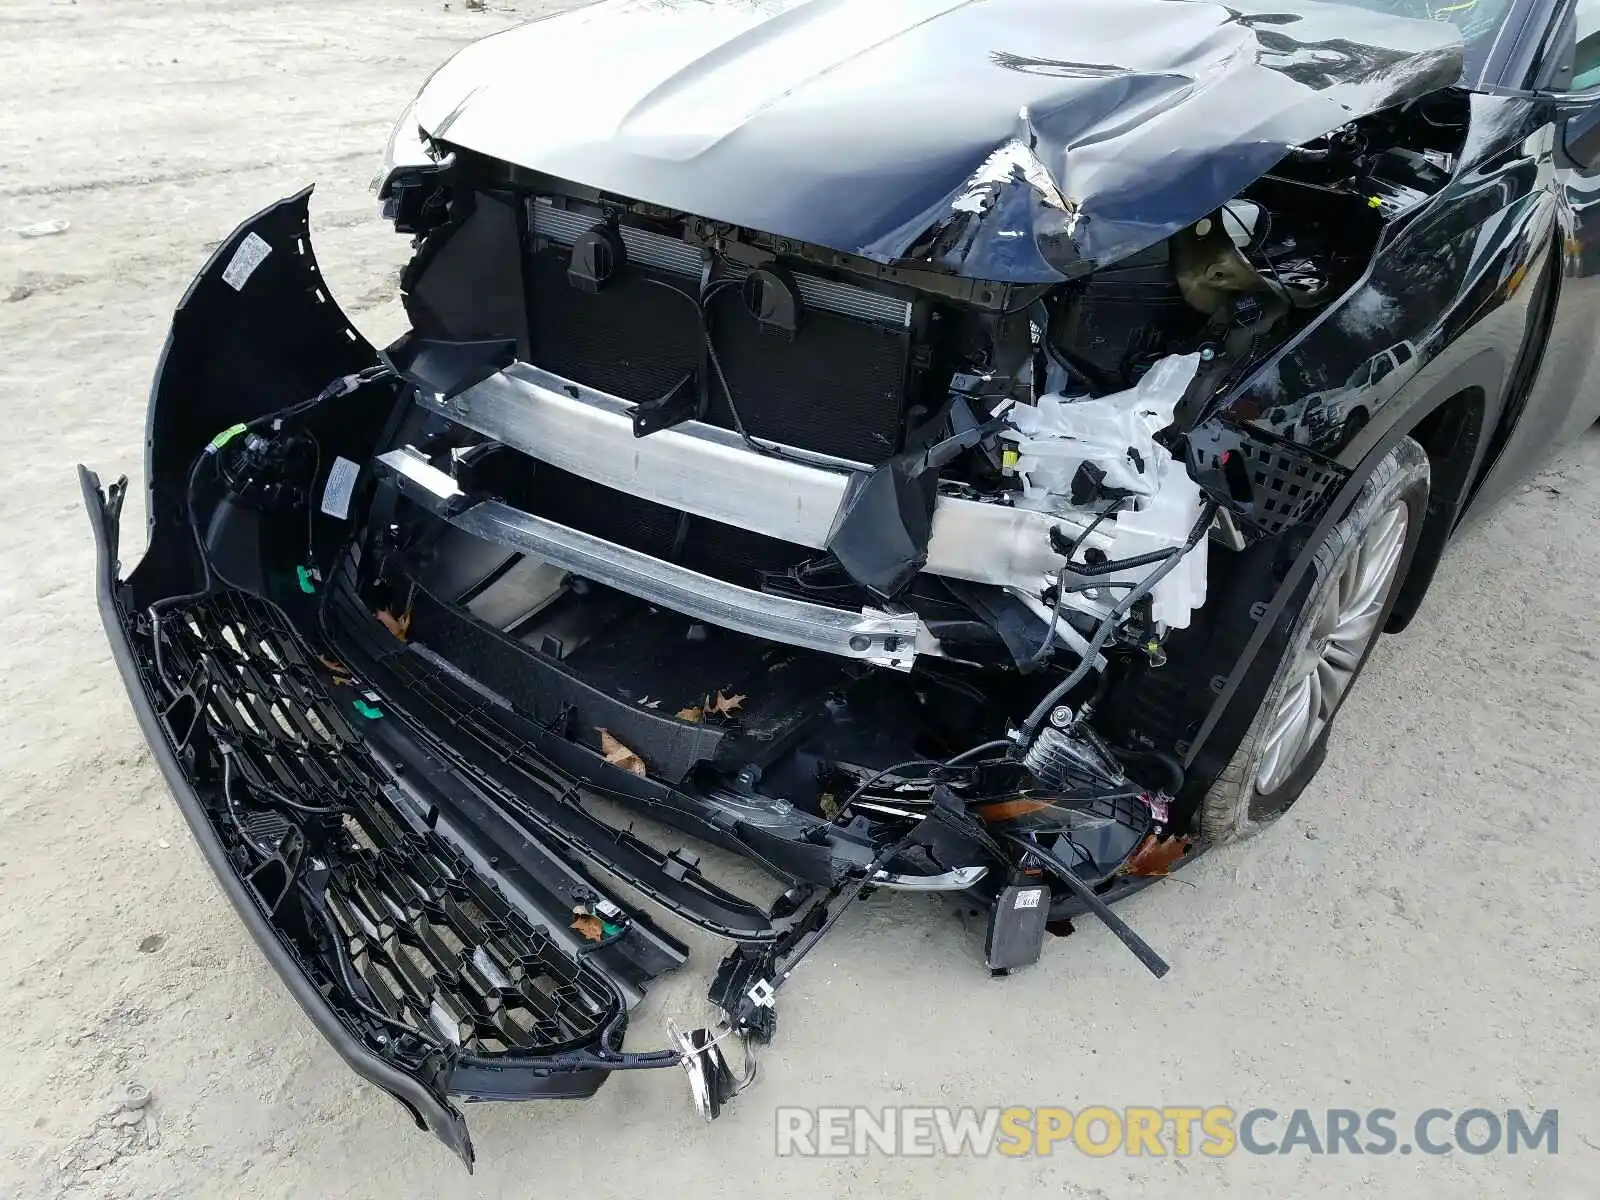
pixel 1416 934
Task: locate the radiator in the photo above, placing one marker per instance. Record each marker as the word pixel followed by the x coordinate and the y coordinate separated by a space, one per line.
pixel 838 387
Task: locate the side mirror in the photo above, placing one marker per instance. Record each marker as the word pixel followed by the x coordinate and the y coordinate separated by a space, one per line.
pixel 1580 136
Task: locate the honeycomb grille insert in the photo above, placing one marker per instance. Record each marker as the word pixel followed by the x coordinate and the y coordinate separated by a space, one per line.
pixel 434 944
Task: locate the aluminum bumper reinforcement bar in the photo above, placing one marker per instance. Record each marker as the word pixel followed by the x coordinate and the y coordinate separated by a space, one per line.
pixel 884 639
pixel 708 471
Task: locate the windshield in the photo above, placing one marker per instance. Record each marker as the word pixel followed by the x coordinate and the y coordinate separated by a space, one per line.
pixel 1476 20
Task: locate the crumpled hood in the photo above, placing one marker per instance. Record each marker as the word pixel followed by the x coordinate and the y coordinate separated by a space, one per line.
pixel 1017 140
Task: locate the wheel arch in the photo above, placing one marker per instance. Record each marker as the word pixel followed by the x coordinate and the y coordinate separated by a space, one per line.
pixel 1456 403
pixel 1452 434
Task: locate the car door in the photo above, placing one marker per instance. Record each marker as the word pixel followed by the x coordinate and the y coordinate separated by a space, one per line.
pixel 1564 322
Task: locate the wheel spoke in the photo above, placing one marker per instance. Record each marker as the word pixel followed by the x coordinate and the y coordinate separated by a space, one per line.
pixel 1354 632
pixel 1336 641
pixel 1349 581
pixel 1284 740
pixel 1369 591
pixel 1314 699
pixel 1333 680
pixel 1344 656
pixel 1293 712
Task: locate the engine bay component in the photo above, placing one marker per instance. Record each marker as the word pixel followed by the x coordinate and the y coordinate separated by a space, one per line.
pixel 1073 761
pixel 1134 478
pixel 1124 317
pixel 742 335
pixel 1018 917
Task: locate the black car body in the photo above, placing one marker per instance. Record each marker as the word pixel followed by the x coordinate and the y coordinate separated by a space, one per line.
pixel 892 443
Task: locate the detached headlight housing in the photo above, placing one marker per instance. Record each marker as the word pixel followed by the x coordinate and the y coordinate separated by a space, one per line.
pixel 407 148
pixel 410 184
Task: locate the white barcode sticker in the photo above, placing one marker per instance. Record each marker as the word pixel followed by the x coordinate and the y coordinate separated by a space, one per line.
pixel 245 260
pixel 341 486
pixel 1029 898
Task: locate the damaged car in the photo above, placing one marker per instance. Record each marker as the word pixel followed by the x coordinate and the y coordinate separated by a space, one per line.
pixel 909 447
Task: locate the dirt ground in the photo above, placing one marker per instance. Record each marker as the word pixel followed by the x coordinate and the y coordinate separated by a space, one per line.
pixel 1418 933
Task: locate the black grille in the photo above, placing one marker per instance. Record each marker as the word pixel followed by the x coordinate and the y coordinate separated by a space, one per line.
pixel 836 388
pixel 434 945
pixel 634 338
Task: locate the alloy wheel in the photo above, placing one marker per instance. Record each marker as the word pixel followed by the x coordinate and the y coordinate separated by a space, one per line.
pixel 1341 632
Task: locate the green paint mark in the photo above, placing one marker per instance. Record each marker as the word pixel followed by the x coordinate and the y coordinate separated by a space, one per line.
pixel 304 575
pixel 367 710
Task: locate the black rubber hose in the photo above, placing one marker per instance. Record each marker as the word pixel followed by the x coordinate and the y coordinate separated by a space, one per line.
pixel 1062 870
pixel 311 810
pixel 1049 641
pixel 233 806
pixel 1173 768
pixel 1108 626
pixel 997 744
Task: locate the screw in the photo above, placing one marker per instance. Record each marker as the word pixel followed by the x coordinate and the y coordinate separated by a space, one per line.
pixel 1061 716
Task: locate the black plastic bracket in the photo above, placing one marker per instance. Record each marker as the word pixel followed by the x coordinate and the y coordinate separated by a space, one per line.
pixel 681 404
pixel 1268 484
pixel 1017 919
pixel 744 988
pixel 445 368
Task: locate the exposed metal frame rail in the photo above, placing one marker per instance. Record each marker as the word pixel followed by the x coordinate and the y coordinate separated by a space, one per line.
pixel 882 638
pixel 709 472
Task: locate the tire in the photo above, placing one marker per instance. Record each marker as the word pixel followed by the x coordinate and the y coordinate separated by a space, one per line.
pixel 1265 777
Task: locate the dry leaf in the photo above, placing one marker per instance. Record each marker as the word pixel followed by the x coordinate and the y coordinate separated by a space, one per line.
pixel 399 626
pixel 691 714
pixel 724 704
pixel 590 927
pixel 619 755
